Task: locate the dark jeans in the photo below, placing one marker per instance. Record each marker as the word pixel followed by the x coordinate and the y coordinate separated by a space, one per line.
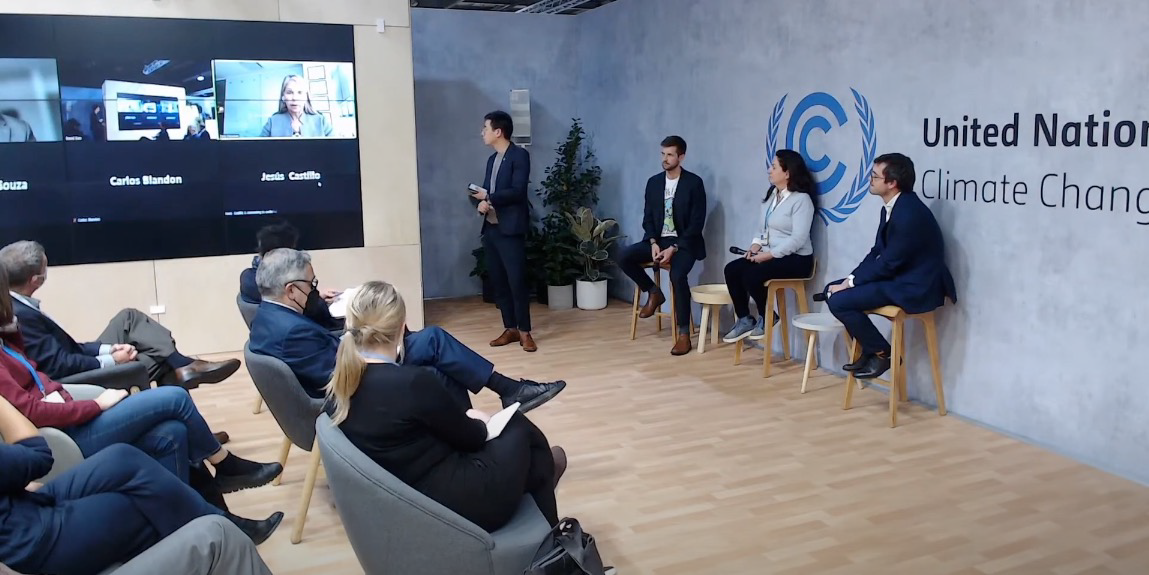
pixel 507 261
pixel 459 366
pixel 850 306
pixel 746 279
pixel 162 422
pixel 111 507
pixel 634 256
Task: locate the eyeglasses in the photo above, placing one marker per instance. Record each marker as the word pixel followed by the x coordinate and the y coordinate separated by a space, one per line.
pixel 314 282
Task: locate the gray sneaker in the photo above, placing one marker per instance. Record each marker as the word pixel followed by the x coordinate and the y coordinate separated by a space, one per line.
pixel 741 329
pixel 759 331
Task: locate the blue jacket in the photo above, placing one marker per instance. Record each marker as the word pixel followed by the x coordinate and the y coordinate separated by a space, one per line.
pixel 53 350
pixel 305 346
pixel 30 523
pixel 508 193
pixel 908 257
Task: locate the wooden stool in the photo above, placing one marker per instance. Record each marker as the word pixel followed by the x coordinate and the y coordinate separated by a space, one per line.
pixel 776 291
pixel 814 323
pixel 713 298
pixel 658 314
pixel 897 358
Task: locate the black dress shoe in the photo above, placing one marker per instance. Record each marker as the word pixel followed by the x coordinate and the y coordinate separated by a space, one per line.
pixel 874 368
pixel 259 476
pixel 257 531
pixel 532 394
pixel 859 364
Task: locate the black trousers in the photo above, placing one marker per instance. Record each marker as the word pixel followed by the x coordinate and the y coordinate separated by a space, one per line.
pixel 634 256
pixel 507 262
pixel 746 279
pixel 850 306
pixel 487 486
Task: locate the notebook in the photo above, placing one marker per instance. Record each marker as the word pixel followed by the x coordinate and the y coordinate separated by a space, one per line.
pixel 499 421
pixel 338 308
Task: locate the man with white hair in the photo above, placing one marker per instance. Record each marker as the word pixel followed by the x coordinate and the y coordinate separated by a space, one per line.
pixel 132 335
pixel 287 281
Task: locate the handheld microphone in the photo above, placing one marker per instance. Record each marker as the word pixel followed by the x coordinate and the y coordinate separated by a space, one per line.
pixel 737 251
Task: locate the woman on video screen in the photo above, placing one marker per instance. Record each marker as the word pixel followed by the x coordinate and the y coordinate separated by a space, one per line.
pixel 295 118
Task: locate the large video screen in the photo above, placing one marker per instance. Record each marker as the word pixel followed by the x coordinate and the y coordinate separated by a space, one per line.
pixel 133 138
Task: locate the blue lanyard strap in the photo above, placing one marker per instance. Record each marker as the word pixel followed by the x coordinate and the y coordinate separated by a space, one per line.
pixel 32 370
pixel 379 356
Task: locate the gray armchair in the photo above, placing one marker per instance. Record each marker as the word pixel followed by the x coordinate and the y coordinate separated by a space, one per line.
pixel 295 412
pixel 395 529
pixel 247 310
pixel 123 376
pixel 65 453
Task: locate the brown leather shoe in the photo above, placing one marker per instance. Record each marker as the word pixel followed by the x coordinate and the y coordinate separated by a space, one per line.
pixel 653 302
pixel 199 371
pixel 222 437
pixel 509 336
pixel 527 341
pixel 681 345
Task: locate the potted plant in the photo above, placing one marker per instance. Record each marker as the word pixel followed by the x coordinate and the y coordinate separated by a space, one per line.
pixel 571 181
pixel 593 241
pixel 480 271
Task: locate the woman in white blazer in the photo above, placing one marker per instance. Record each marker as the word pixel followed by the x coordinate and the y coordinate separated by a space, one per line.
pixel 781 249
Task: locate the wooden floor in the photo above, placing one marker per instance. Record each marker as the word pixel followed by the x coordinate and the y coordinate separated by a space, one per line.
pixel 690 465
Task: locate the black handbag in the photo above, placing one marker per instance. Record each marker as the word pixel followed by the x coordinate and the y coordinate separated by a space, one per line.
pixel 567 550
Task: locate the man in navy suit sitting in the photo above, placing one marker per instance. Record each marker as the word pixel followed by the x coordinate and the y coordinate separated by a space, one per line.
pixel 286 280
pixel 905 268
pixel 284 235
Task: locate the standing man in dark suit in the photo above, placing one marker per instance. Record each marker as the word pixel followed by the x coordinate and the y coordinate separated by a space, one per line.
pixel 505 207
pixel 672 222
pixel 905 268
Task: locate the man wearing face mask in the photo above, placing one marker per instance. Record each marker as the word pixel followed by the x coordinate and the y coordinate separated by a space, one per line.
pixel 281 330
pixel 131 335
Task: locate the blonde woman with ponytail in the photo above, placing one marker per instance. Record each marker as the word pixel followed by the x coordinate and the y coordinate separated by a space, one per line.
pixel 405 419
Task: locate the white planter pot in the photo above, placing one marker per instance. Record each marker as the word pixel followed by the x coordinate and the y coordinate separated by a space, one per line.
pixel 560 297
pixel 591 295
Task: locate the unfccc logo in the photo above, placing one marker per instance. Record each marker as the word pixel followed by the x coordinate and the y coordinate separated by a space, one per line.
pixel 823 113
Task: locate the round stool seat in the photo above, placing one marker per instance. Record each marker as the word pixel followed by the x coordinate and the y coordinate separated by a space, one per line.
pixel 823 322
pixel 711 294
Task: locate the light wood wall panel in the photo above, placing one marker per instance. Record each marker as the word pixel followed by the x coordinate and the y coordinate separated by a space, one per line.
pixel 198 294
pixel 82 299
pixel 386 100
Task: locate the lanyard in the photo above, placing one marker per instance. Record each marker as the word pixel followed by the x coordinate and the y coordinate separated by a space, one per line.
pixel 32 370
pixel 379 356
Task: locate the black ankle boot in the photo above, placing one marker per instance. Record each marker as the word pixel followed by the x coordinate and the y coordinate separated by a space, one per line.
pixel 258 531
pixel 235 474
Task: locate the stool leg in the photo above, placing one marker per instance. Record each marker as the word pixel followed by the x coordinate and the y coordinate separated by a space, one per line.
pixel 768 341
pixel 738 351
pixel 673 314
pixel 783 324
pixel 935 361
pixel 800 295
pixel 895 352
pixel 658 286
pixel 702 328
pixel 715 324
pixel 850 379
pixel 904 396
pixel 809 360
pixel 634 313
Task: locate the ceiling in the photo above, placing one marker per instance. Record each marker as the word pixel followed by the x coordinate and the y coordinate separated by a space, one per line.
pixel 570 7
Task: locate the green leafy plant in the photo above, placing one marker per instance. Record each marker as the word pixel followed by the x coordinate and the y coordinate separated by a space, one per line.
pixel 571 181
pixel 593 242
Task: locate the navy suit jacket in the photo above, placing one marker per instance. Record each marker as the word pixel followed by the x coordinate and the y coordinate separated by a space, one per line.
pixel 249 292
pixel 689 211
pixel 908 258
pixel 46 343
pixel 306 347
pixel 508 193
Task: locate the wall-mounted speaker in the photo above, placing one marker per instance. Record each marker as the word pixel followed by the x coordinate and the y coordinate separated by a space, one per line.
pixel 521 116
